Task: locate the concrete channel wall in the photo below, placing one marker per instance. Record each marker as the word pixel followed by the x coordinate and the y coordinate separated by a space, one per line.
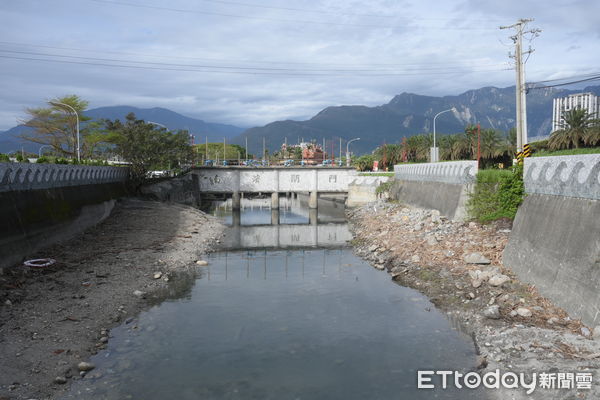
pixel 443 186
pixel 555 241
pixel 41 204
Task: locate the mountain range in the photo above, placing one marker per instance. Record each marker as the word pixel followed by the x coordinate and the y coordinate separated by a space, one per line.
pixel 10 141
pixel 409 114
pixel 405 115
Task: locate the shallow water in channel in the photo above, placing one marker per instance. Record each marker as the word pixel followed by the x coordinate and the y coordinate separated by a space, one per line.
pixel 284 311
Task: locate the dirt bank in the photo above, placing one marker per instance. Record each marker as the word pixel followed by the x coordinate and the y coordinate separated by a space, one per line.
pixel 458 265
pixel 53 319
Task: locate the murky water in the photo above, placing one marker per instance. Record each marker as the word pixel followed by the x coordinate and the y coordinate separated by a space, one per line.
pixel 304 319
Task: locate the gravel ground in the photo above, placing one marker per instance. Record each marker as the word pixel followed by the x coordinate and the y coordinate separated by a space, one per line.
pixel 458 266
pixel 53 319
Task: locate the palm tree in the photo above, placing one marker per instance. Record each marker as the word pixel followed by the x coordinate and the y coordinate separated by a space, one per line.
pixel 490 144
pixel 575 130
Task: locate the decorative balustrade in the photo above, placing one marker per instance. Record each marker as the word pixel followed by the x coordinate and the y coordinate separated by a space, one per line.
pixel 570 176
pixel 457 172
pixel 23 176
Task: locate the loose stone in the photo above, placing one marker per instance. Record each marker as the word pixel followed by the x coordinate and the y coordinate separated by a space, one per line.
pixel 492 312
pixel 498 280
pixel 524 312
pixel 85 366
pixel 476 258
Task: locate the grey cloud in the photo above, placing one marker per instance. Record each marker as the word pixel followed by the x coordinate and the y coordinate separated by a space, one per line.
pixel 408 37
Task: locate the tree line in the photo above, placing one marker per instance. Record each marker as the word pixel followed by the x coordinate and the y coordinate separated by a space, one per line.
pixel 578 129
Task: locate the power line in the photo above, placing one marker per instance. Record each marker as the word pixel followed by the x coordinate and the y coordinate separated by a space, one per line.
pixel 236 3
pixel 327 23
pixel 227 67
pixel 463 62
pixel 532 86
pixel 283 73
pixel 591 74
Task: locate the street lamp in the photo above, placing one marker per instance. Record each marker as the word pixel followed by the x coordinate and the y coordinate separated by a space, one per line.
pixel 56 103
pixel 41 148
pixel 434 154
pixel 157 124
pixel 348 151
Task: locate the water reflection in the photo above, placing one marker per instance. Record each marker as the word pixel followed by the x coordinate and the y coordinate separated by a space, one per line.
pixel 292 226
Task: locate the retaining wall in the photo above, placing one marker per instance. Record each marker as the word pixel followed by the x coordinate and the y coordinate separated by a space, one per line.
pixel 41 204
pixel 555 241
pixel 363 190
pixel 443 186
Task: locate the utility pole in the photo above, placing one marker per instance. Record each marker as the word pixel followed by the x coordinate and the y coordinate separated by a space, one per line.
pixel 340 153
pixel 246 149
pixel 478 145
pixel 520 87
pixel 224 158
pixel 206 150
pixel 264 152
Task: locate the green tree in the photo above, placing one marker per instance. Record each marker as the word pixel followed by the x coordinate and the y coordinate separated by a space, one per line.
pixel 215 151
pixel 388 155
pixel 148 147
pixel 578 128
pixel 364 163
pixel 56 126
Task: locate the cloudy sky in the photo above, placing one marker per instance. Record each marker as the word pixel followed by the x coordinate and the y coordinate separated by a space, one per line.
pixel 250 62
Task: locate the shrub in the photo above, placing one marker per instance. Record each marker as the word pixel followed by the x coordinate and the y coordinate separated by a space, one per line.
pixel 4 158
pixel 497 194
pixel 43 160
pixel 384 187
pixel 60 160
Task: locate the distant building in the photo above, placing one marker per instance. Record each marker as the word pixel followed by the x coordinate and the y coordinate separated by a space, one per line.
pixel 586 101
pixel 312 154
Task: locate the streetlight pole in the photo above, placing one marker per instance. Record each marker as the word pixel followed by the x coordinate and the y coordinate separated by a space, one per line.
pixel 434 154
pixel 348 151
pixel 56 103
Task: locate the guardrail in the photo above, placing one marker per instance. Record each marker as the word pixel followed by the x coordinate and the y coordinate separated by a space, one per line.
pixel 23 176
pixel 457 172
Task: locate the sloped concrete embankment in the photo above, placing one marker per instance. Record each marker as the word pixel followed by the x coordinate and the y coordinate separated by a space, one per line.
pixel 555 241
pixel 439 186
pixel 41 204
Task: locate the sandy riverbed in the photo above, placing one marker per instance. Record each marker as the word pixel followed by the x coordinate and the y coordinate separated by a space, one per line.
pixel 53 319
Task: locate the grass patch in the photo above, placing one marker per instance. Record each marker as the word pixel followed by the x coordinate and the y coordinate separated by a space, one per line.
pixel 497 194
pixel 567 152
pixel 375 174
